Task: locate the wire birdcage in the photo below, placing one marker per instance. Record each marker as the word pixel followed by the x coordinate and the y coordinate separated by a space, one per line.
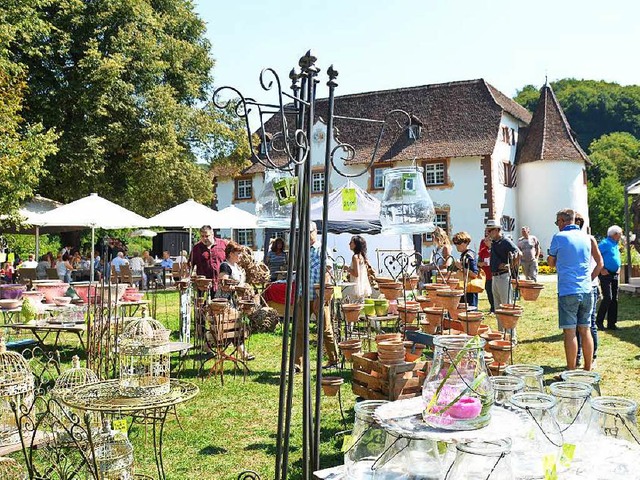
pixel 113 454
pixel 67 381
pixel 145 366
pixel 17 385
pixel 9 468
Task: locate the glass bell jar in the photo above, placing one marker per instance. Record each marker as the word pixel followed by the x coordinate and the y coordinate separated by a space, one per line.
pixel 368 441
pixel 457 392
pixel 537 447
pixel 406 206
pixel 275 203
pixel 482 460
pixel 412 459
pixel 504 388
pixel 533 376
pixel 614 417
pixel 591 377
pixel 573 410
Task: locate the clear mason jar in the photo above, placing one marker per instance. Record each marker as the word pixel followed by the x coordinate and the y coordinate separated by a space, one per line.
pixel 270 212
pixel 409 459
pixel 504 388
pixel 457 391
pixel 592 378
pixel 406 206
pixel 537 446
pixel 573 409
pixel 614 417
pixel 368 442
pixel 482 460
pixel 533 376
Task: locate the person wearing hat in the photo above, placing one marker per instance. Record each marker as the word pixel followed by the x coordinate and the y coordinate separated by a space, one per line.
pixel 504 254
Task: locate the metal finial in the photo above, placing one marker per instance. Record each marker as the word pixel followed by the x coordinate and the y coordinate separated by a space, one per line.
pixel 307 62
pixel 332 72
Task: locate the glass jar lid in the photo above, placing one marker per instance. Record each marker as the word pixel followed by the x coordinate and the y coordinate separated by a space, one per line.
pixel 533 401
pixel 570 389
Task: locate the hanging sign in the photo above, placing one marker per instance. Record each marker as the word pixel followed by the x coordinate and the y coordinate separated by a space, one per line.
pixel 286 190
pixel 349 200
pixel 409 183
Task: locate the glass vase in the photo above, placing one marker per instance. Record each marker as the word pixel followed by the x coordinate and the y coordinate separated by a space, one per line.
pixel 406 206
pixel 533 376
pixel 614 417
pixel 410 459
pixel 573 410
pixel 270 210
pixel 537 446
pixel 504 388
pixel 482 460
pixel 457 392
pixel 368 442
pixel 591 378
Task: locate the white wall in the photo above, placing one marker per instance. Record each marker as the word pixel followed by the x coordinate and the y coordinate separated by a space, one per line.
pixel 551 185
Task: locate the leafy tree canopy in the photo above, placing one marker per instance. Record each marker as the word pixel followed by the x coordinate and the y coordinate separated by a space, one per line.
pixel 126 83
pixel 593 108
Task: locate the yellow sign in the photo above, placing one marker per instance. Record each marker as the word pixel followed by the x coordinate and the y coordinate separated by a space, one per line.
pixel 121 426
pixel 349 200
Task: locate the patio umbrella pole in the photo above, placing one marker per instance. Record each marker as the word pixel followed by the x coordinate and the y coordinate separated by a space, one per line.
pixel 93 243
pixel 37 243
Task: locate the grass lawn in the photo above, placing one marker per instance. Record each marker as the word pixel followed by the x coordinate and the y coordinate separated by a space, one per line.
pixel 229 429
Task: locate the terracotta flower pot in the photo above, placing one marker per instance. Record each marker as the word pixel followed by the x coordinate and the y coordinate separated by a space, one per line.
pixel 531 292
pixel 383 337
pixel 429 328
pixel 351 312
pixel 328 292
pixel 489 336
pixel 391 291
pixel 349 347
pixel 412 357
pixel 511 306
pixel 331 385
pixel 424 301
pixel 497 368
pixel 483 329
pixel 501 350
pixel 218 306
pixel 384 280
pixel 450 300
pixel 470 322
pixel 434 315
pixel 508 318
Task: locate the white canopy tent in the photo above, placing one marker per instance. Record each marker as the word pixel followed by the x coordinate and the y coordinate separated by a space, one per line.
pixel 189 214
pixel 92 212
pixel 234 217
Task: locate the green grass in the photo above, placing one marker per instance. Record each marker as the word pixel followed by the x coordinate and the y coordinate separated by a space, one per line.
pixel 229 429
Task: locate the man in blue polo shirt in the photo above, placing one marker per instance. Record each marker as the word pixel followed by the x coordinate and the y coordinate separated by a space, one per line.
pixel 570 252
pixel 609 278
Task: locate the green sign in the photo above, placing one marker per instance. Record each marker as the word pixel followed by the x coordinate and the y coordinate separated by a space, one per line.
pixel 349 200
pixel 286 190
pixel 409 183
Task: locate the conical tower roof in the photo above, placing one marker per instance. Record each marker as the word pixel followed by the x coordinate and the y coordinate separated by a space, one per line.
pixel 549 135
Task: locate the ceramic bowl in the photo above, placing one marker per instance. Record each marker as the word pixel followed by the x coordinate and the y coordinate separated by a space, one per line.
pixel 52 289
pixel 10 303
pixel 12 291
pixel 61 301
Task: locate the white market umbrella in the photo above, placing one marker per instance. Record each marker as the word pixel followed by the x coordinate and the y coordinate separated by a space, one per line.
pixel 93 212
pixel 234 217
pixel 143 232
pixel 189 214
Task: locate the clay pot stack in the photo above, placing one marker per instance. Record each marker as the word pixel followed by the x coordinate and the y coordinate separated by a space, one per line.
pixel 449 299
pixel 508 317
pixel 391 352
pixel 424 301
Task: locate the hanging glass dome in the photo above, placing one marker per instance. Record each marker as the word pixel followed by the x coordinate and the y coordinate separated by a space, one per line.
pixel 17 385
pixel 275 203
pixel 145 366
pixel 406 206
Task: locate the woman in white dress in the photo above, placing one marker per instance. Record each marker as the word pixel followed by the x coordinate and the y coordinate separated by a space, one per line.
pixel 358 268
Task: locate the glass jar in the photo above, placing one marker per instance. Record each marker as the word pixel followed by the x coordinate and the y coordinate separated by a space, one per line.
pixel 592 378
pixel 573 410
pixel 457 391
pixel 537 446
pixel 504 388
pixel 614 417
pixel 533 376
pixel 409 459
pixel 482 460
pixel 406 206
pixel 271 212
pixel 368 442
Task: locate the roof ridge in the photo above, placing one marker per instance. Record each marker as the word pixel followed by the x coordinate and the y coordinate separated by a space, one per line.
pixel 565 121
pixel 544 124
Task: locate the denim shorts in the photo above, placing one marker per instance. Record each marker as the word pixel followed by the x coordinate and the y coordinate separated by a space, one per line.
pixel 575 310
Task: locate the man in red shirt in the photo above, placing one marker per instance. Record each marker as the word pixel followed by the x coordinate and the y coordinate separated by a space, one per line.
pixel 207 255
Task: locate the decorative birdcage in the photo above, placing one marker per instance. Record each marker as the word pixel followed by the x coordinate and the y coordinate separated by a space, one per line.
pixel 67 381
pixel 113 454
pixel 9 468
pixel 17 385
pixel 144 359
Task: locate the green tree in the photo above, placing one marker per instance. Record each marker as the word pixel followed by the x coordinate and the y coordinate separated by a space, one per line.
pixel 606 204
pixel 126 82
pixel 23 145
pixel 619 152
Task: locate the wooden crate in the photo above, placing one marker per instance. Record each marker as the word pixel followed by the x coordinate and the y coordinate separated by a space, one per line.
pixel 373 380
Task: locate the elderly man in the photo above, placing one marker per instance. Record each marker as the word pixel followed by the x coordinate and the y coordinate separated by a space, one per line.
pixel 314 306
pixel 530 248
pixel 571 252
pixel 207 255
pixel 609 279
pixel 504 254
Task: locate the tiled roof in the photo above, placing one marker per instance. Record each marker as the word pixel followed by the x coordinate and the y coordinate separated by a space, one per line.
pixel 459 119
pixel 549 135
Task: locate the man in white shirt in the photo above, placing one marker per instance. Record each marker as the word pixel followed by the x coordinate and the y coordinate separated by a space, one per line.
pixel 31 263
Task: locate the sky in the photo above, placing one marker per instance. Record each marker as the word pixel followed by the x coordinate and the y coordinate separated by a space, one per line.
pixel 387 44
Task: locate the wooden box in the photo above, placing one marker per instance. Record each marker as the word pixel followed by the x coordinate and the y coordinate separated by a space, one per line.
pixel 373 380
